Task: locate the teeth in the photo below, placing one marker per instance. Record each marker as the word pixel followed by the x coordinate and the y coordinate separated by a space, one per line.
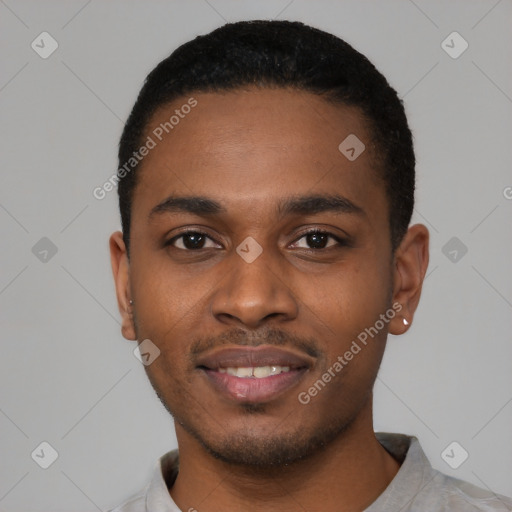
pixel 275 370
pixel 241 372
pixel 258 372
pixel 261 371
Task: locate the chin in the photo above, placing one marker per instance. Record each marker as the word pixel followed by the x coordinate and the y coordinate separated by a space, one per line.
pixel 267 447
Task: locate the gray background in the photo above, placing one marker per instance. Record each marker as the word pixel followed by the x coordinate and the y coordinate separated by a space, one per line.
pixel 67 375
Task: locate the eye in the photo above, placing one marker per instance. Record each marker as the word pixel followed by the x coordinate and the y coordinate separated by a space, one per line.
pixel 190 240
pixel 318 239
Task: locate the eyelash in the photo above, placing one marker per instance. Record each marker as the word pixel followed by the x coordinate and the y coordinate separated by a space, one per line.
pixel 340 241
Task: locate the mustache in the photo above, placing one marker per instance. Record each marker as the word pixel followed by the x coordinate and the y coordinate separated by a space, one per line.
pixel 265 336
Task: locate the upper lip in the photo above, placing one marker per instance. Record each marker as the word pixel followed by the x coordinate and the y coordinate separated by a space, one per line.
pixel 246 357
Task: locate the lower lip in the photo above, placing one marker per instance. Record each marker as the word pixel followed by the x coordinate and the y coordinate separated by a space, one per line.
pixel 253 390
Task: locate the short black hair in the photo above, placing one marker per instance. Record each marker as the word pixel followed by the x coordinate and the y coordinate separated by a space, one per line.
pixel 282 54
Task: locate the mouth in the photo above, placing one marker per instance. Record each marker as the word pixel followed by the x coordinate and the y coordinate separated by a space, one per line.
pixel 253 374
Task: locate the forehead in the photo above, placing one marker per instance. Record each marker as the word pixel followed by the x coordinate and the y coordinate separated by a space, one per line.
pixel 250 146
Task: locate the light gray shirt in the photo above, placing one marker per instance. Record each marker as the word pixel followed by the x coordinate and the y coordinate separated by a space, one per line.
pixel 417 487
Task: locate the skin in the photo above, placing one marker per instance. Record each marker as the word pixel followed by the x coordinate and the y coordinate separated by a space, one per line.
pixel 248 150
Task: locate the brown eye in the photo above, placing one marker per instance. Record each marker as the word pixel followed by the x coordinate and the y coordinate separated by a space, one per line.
pixel 189 240
pixel 318 240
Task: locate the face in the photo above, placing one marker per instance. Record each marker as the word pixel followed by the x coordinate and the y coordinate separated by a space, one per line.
pixel 253 292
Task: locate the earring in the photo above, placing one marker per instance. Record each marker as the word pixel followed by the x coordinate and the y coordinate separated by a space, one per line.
pixel 131 302
pixel 406 322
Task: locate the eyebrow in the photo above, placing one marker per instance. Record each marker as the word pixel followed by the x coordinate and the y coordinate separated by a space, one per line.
pixel 296 205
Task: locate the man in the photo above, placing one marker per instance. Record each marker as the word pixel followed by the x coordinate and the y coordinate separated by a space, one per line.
pixel 266 185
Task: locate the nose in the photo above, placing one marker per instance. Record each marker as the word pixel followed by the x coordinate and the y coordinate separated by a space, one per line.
pixel 254 293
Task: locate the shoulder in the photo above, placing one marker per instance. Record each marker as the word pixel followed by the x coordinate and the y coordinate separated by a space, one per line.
pixel 461 495
pixel 136 503
pixel 418 486
pixel 155 496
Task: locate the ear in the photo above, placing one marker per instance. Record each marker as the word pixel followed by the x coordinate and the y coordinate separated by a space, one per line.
pixel 410 265
pixel 121 271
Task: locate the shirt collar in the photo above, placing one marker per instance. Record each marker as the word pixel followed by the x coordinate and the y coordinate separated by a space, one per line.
pixel 158 497
pixel 414 474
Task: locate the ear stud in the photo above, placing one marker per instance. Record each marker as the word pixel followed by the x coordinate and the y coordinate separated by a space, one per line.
pixel 406 322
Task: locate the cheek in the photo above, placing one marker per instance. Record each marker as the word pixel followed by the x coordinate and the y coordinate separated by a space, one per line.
pixel 167 314
pixel 353 296
pixel 166 295
pixel 351 304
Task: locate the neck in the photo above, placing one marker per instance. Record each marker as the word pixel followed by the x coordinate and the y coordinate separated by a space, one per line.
pixel 349 474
